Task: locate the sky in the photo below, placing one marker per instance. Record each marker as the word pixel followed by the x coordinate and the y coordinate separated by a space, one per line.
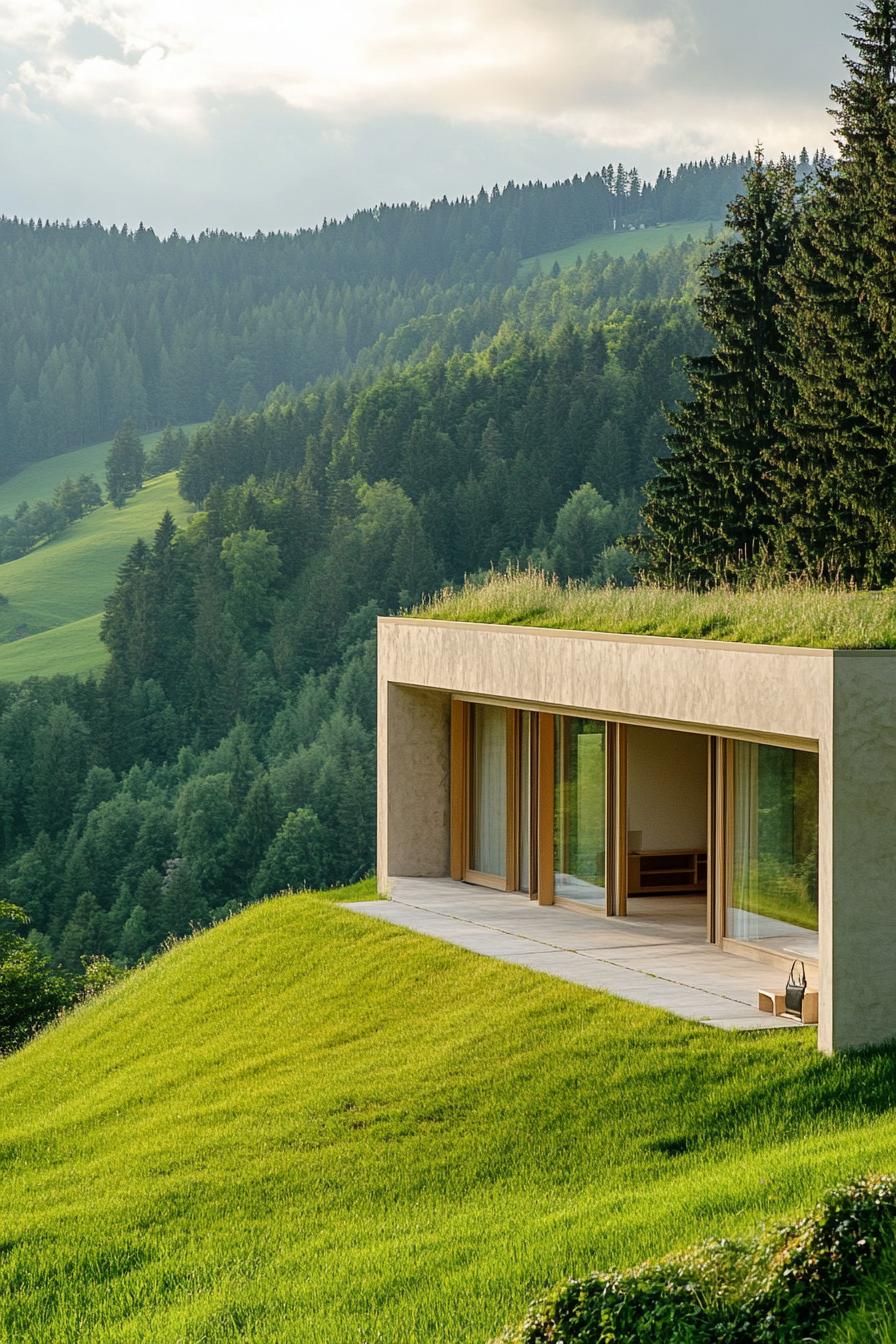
pixel 273 114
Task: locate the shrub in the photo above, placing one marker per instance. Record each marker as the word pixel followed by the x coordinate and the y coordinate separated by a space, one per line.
pixel 777 1289
pixel 31 992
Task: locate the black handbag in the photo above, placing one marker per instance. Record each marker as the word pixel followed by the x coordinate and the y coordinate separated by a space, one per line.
pixel 796 989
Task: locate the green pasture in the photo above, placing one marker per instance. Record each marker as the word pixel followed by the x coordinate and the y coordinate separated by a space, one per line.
pixel 307 1127
pixel 56 592
pixel 624 243
pixel 40 479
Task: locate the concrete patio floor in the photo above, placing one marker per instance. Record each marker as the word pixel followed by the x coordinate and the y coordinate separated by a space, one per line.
pixel 656 956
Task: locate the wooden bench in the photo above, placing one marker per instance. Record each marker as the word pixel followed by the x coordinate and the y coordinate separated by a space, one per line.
pixel 771 1001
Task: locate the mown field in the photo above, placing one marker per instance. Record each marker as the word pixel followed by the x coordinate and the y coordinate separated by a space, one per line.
pixel 625 243
pixel 60 588
pixel 40 479
pixel 304 1127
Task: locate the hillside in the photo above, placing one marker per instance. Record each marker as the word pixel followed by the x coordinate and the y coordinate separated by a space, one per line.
pixel 58 586
pixel 100 324
pixel 305 1126
pixel 39 480
pixel 624 243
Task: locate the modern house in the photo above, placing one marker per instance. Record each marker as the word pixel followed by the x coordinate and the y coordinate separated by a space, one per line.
pixel 752 787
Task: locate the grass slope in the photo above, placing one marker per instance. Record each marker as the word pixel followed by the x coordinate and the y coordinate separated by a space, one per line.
pixel 305 1127
pixel 802 615
pixel 40 479
pixel 626 243
pixel 61 587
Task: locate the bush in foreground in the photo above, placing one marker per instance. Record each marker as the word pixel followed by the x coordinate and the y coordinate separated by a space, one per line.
pixel 782 1286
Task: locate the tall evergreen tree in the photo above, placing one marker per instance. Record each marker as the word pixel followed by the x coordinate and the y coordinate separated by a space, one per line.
pixel 713 509
pixel 838 478
pixel 124 464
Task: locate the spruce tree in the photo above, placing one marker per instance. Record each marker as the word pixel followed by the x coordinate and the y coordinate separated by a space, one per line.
pixel 124 464
pixel 838 477
pixel 711 511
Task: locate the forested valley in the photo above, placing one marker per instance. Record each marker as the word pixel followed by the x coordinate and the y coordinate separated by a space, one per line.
pixel 500 415
pixel 98 325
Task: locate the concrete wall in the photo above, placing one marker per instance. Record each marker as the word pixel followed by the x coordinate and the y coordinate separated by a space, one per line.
pixel 858 956
pixel 841 704
pixel 667 788
pixel 682 682
pixel 413 768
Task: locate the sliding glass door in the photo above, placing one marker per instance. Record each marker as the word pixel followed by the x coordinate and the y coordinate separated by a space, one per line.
pixel 580 815
pixel 772 897
pixel 529 802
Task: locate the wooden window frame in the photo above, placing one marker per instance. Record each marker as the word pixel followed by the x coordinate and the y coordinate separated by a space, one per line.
pixel 462 712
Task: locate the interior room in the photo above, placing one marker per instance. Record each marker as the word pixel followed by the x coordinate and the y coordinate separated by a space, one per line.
pixel 667 822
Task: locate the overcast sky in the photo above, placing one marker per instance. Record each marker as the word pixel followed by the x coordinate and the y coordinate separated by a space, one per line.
pixel 273 113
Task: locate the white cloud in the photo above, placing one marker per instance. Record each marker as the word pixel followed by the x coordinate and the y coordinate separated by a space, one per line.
pixel 503 60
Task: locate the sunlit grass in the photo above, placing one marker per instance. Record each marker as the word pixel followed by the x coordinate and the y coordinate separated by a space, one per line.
pixel 805 615
pixel 309 1126
pixel 58 590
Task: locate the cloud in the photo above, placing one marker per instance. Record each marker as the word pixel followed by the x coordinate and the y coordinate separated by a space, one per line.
pixel 196 113
pixel 168 62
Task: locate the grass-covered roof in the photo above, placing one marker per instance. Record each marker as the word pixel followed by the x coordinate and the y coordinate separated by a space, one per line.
pixel 799 614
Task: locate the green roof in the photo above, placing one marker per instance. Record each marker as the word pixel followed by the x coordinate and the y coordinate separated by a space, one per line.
pixel 798 614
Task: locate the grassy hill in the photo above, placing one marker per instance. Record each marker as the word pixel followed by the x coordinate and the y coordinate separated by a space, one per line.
pixel 626 243
pixel 60 587
pixel 307 1126
pixel 40 479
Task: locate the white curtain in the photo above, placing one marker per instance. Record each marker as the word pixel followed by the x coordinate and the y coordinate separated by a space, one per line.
pixel 489 790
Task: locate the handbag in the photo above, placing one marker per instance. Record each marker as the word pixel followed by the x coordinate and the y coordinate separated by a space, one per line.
pixel 795 991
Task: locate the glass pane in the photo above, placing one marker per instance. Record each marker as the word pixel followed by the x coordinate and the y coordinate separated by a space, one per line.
pixel 525 796
pixel 489 791
pixel 774 882
pixel 579 809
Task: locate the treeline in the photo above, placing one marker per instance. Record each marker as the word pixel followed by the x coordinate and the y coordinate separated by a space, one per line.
pixel 228 749
pixel 783 461
pixel 44 519
pixel 100 325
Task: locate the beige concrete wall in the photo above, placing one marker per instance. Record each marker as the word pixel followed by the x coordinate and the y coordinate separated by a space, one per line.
pixel 859 949
pixel 413 777
pixel 734 687
pixel 667 788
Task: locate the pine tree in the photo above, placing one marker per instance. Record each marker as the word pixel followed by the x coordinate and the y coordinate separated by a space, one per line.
pixel 712 510
pixel 838 479
pixel 124 464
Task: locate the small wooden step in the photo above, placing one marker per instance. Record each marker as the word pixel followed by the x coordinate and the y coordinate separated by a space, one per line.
pixel 771 1001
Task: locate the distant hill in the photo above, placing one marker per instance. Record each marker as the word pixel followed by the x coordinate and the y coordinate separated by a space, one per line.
pixel 61 587
pixel 623 243
pixel 309 1126
pixel 98 324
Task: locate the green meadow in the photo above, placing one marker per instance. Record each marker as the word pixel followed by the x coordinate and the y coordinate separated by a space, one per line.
pixel 40 479
pixel 306 1127
pixel 625 243
pixel 56 592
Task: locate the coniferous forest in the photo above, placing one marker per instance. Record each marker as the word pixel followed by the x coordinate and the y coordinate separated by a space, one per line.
pixel 783 460
pixel 407 407
pixel 98 325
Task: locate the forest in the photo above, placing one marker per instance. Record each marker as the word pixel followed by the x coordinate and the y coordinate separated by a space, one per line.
pixel 228 749
pixel 782 460
pixel 98 325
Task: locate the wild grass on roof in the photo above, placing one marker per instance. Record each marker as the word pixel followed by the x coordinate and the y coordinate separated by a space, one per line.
pixel 801 614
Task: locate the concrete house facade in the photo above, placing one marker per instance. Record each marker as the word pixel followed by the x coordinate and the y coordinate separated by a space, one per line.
pixel 749 788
